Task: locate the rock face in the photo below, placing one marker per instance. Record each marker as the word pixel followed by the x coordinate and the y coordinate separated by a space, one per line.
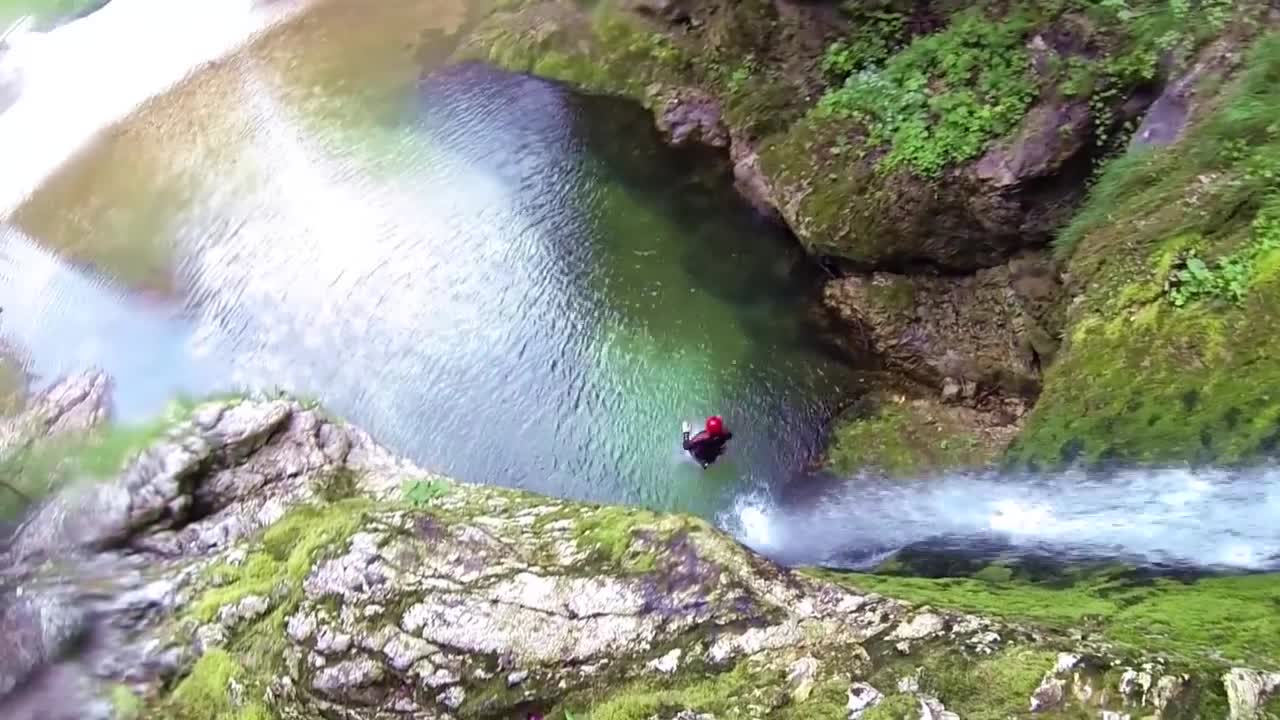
pixel 75 404
pixel 687 116
pixel 1168 116
pixel 261 564
pixel 975 216
pixel 966 335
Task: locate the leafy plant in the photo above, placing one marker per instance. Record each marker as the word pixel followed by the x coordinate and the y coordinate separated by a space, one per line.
pixel 878 34
pixel 1229 277
pixel 742 74
pixel 944 97
pixel 1077 77
pixel 420 492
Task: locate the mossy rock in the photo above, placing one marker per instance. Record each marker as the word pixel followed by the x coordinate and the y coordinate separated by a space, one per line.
pixel 1169 354
pixel 902 437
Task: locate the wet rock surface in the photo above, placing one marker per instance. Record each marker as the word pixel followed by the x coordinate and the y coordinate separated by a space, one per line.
pixel 293 581
pixel 966 336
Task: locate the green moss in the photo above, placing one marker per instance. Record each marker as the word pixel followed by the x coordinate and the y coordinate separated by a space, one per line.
pixel 1175 252
pixel 897 706
pixel 338 484
pixel 901 439
pixel 260 574
pixel 204 694
pixel 605 51
pixel 289 549
pixel 725 694
pixel 125 704
pixel 1233 618
pixel 609 534
pixel 286 553
pixel 992 688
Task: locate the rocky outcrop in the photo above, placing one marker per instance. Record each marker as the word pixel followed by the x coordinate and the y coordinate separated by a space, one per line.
pixel 73 405
pixel 260 561
pixel 1182 98
pixel 1155 369
pixel 688 116
pixel 974 216
pixel 966 336
pixel 685 116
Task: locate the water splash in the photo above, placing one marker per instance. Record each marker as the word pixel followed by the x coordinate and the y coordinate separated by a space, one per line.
pixel 1207 518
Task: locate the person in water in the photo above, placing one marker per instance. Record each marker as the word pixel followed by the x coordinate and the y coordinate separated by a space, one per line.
pixel 708 445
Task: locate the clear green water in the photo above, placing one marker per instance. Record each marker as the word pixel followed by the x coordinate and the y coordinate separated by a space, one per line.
pixel 509 282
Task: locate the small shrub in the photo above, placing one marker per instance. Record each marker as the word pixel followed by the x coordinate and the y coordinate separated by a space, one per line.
pixel 944 97
pixel 1230 276
pixel 878 34
pixel 420 492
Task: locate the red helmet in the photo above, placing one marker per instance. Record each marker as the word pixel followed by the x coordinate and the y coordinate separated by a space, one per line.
pixel 715 426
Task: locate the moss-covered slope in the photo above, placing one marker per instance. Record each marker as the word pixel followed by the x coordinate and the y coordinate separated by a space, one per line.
pixel 1171 352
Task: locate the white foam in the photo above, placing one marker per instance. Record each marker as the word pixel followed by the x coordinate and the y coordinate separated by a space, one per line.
pixel 1202 517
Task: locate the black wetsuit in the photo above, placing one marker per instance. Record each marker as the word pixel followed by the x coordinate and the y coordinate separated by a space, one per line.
pixel 704 448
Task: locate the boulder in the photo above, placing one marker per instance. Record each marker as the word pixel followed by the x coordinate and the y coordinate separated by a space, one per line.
pixel 963 335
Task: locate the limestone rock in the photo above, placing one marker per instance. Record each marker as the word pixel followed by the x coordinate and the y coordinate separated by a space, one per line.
pixel 75 404
pixel 862 697
pixel 1049 695
pixel 667 664
pixel 488 601
pixel 994 330
pixel 1178 104
pixel 1248 691
pixel 932 709
pixel 248 608
pixel 919 627
pixel 36 627
pixel 347 675
pixel 801 677
pixel 685 117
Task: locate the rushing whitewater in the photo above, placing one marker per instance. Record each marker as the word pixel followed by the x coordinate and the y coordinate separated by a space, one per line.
pixel 1208 518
